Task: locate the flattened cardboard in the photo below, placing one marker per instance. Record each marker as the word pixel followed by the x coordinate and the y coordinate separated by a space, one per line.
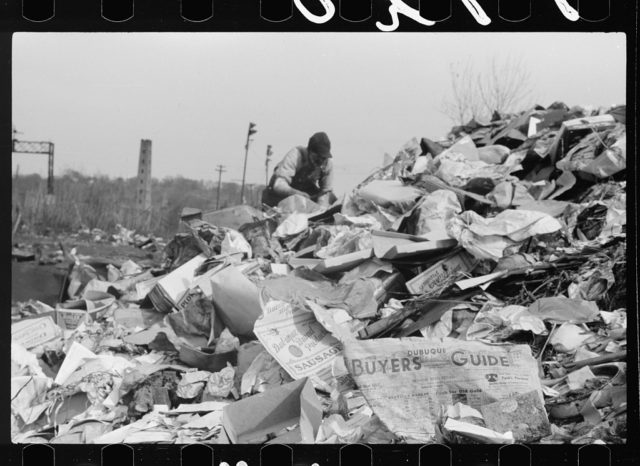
pixel 344 262
pixel 331 264
pixel 236 301
pixel 34 332
pixel 198 408
pixel 70 407
pixel 405 250
pixel 297 262
pixel 232 217
pixel 256 418
pixel 385 241
pixel 207 361
pixel 327 214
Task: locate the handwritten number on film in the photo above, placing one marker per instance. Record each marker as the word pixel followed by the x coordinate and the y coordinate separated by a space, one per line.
pixel 398 7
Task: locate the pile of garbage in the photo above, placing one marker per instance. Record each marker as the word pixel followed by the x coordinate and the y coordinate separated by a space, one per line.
pixel 471 291
pixel 122 236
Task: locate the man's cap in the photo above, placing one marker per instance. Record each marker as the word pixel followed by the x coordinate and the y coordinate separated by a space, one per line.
pixel 319 144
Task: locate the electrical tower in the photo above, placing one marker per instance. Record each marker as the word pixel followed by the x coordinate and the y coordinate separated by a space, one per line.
pixel 35 147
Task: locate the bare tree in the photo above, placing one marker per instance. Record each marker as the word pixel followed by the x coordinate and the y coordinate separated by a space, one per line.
pixel 465 102
pixel 501 86
pixel 505 86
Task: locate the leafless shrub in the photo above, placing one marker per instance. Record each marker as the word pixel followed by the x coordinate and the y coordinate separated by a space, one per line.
pixel 503 86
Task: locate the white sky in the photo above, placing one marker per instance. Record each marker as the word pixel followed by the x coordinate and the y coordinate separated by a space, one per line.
pixel 96 95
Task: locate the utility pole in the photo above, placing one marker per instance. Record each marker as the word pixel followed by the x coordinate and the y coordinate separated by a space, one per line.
pixel 143 189
pixel 252 130
pixel 219 169
pixel 143 192
pixel 269 154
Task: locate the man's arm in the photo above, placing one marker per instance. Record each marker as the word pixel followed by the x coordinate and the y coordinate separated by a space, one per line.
pixel 283 189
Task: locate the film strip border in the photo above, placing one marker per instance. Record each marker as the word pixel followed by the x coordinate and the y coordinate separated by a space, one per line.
pixel 423 12
pixel 321 455
pixel 207 12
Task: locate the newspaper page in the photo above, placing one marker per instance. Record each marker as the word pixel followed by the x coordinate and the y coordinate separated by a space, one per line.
pixel 293 336
pixel 406 381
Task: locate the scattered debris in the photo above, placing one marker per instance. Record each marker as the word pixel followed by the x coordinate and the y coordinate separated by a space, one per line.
pixel 471 291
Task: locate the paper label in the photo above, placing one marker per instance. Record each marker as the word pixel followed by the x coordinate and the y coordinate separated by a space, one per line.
pixel 188 297
pixel 441 275
pixel 300 344
pixel 408 381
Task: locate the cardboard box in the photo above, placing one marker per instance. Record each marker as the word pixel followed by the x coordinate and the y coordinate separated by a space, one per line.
pixel 200 286
pixel 170 288
pixel 258 418
pixel 442 273
pixel 34 332
pixel 72 313
pixel 577 126
pixel 144 287
pixel 132 317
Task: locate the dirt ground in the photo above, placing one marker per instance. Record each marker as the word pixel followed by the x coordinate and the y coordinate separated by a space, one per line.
pixel 88 247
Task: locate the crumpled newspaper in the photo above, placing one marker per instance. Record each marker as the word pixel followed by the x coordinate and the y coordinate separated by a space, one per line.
pixel 192 384
pixel 498 323
pixel 433 213
pixel 487 238
pixel 234 242
pixel 345 240
pixel 221 383
pixel 263 372
pixel 362 427
pixel 455 170
pixel 292 225
pixel 226 342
